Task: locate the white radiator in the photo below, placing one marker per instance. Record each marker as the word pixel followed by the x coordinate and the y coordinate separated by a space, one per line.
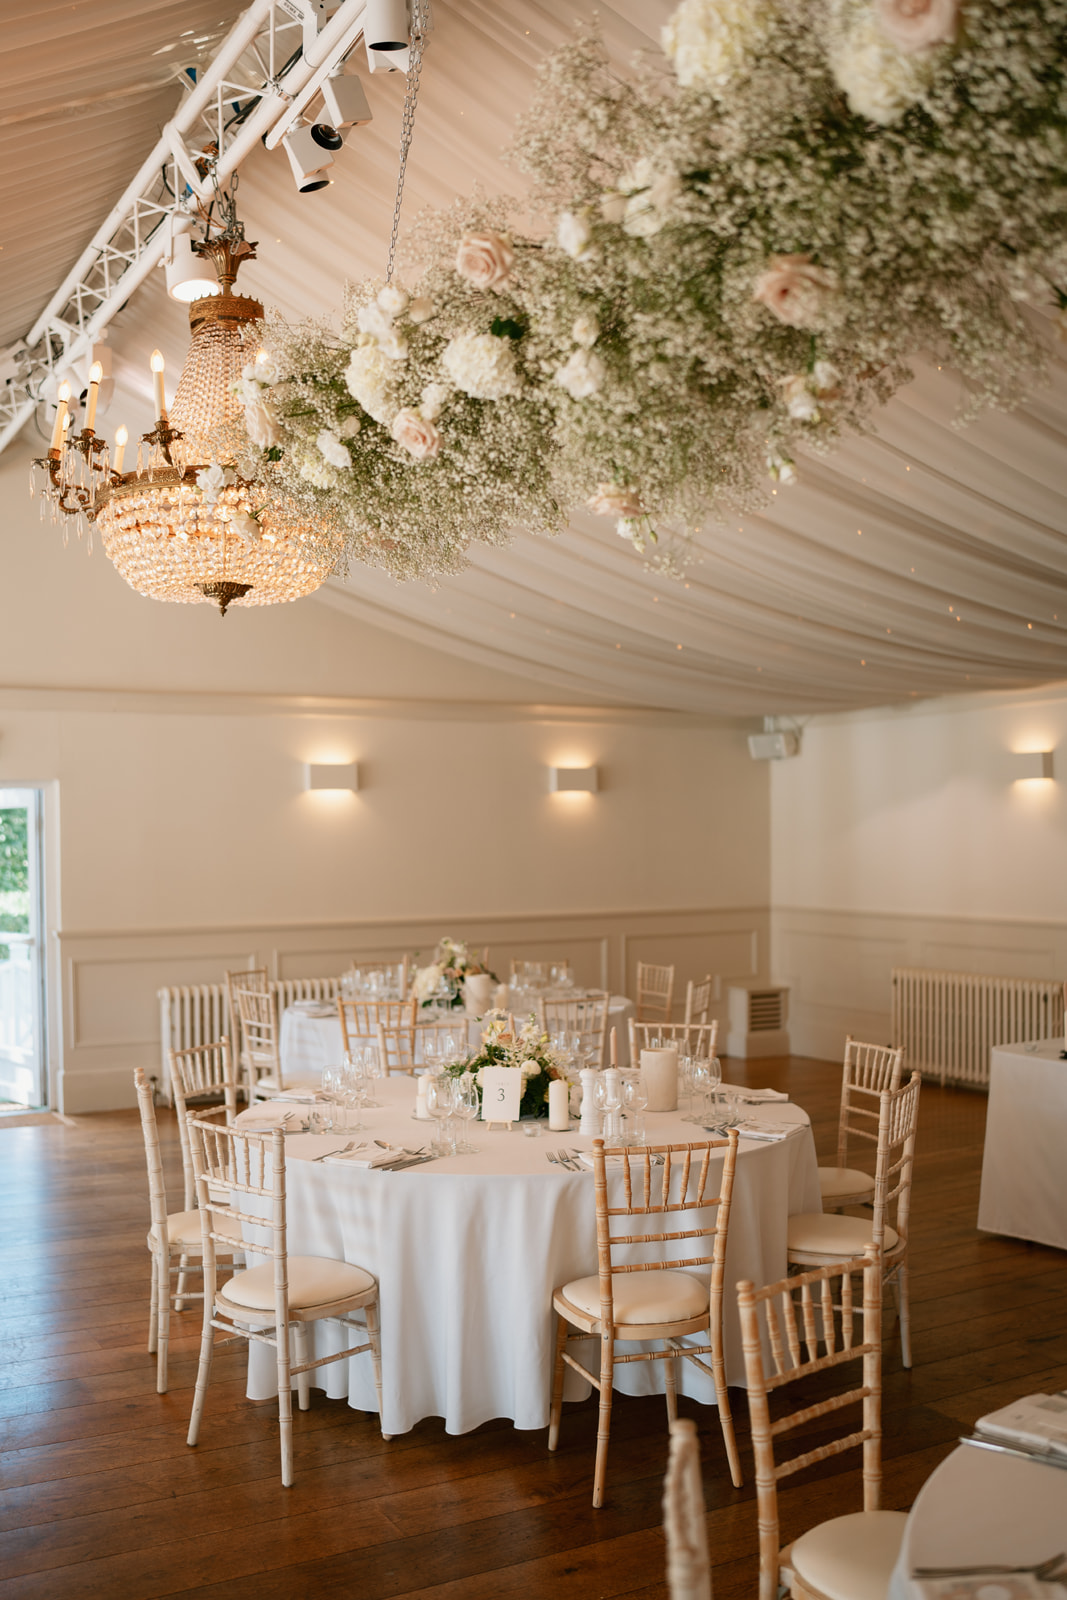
pixel 200 1013
pixel 948 1022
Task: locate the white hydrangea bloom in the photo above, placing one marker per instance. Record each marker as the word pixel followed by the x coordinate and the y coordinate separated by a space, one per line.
pixel 482 365
pixel 582 375
pixel 332 450
pixel 574 236
pixel 265 368
pixel 651 194
pixel 432 401
pixel 710 40
pixel 878 80
pixel 317 472
pixel 586 330
pixel 369 379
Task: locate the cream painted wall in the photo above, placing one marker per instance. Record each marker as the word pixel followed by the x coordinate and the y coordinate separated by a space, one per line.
pixel 899 838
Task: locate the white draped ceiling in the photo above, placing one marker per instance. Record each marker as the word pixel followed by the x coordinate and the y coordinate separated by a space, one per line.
pixel 922 560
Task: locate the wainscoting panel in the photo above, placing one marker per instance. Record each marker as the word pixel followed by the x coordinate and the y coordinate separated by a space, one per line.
pixel 838 964
pixel 110 1013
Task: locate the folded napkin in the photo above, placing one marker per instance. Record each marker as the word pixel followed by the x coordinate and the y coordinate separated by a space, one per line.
pixel 299 1097
pixel 1037 1422
pixel 754 1097
pixel 613 1158
pixel 268 1116
pixel 771 1131
pixel 314 1008
pixel 364 1158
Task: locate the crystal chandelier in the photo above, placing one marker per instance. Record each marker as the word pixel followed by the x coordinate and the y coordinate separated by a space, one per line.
pixel 200 518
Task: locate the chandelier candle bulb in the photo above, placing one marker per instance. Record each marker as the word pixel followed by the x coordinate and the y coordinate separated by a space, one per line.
pixel 62 396
pixel 96 372
pixel 158 368
pixel 121 436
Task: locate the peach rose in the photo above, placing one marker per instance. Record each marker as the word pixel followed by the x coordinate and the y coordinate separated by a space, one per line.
pixel 794 289
pixel 486 260
pixel 415 435
pixel 612 501
pixel 914 25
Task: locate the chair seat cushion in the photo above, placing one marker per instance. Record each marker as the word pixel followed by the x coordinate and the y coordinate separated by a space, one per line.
pixel 183 1229
pixel 835 1181
pixel 850 1558
pixel 313 1281
pixel 817 1233
pixel 643 1297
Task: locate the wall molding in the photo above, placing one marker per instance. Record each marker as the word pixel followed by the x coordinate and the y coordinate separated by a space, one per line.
pixel 110 978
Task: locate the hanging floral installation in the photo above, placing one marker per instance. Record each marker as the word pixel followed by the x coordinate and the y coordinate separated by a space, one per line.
pixel 745 243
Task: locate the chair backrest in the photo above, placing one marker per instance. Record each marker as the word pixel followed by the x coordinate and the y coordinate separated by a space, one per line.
pixel 401 1049
pixel 898 1119
pixel 869 1068
pixel 681 1185
pixel 800 1315
pixel 698 999
pixel 696 1037
pixel 360 1018
pixel 655 992
pixel 250 1169
pixel 587 1017
pixel 204 1069
pixel 258 1013
pixel 157 1188
pixel 251 978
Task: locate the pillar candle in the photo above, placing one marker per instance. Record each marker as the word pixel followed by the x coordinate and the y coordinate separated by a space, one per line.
pixel 659 1070
pixel 559 1109
pixel 420 1098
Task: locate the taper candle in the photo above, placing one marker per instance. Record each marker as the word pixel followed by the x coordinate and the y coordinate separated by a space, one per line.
pixel 121 436
pixel 158 366
pixel 63 396
pixel 96 372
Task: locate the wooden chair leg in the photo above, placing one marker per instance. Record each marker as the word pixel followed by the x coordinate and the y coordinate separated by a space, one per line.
pixel 603 1431
pixel 203 1375
pixel 558 1375
pixel 670 1384
pixel 285 1407
pixel 375 1337
pixel 153 1312
pixel 179 1293
pixel 726 1420
pixel 904 1305
pixel 162 1299
pixel 303 1379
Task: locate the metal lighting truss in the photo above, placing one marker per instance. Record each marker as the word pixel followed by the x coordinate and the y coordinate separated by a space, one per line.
pixel 267 71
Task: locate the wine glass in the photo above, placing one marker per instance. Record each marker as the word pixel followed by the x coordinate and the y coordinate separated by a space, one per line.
pixel 332 1091
pixel 634 1101
pixel 606 1099
pixel 372 1070
pixel 354 1086
pixel 465 1106
pixel 439 1105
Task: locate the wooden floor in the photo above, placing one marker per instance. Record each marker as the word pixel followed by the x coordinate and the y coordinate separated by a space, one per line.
pixel 100 1498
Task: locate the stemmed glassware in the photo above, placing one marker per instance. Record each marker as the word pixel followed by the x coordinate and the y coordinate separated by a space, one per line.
pixel 439 1103
pixel 465 1106
pixel 606 1098
pixel 354 1088
pixel 634 1101
pixel 372 1070
pixel 332 1088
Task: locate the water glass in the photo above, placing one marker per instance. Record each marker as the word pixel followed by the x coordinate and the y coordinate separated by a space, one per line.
pixel 465 1106
pixel 634 1102
pixel 372 1072
pixel 440 1106
pixel 332 1090
pixel 606 1099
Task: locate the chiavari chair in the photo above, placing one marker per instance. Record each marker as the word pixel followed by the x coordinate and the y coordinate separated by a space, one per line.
pixel 868 1069
pixel 655 992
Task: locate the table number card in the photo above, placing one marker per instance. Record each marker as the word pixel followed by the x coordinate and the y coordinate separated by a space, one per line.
pixel 501 1094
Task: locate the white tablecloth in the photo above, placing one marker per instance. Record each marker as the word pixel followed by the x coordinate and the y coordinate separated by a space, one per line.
pixel 309 1043
pixel 978 1506
pixel 1024 1170
pixel 468 1250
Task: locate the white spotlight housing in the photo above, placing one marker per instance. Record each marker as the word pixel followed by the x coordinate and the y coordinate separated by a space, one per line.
pixel 387 25
pixel 773 746
pixel 311 151
pixel 344 103
pixel 189 276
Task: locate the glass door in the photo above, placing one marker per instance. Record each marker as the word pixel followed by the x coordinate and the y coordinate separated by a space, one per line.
pixel 22 1052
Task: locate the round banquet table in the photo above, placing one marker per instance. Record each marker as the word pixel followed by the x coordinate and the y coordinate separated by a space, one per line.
pixel 467 1251
pixel 308 1043
pixel 980 1506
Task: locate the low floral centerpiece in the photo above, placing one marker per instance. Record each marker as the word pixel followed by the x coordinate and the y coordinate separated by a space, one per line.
pixel 504 1045
pixel 452 962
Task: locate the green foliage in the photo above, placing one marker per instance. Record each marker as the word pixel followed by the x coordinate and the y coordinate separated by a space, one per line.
pixel 14 849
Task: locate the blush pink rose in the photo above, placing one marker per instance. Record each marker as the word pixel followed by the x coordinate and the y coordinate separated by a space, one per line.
pixel 794 289
pixel 612 501
pixel 914 25
pixel 415 435
pixel 486 260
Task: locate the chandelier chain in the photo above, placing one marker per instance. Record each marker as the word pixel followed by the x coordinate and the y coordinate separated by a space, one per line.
pixel 407 127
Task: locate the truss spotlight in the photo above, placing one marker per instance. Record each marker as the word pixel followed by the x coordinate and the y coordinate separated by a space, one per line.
pixel 189 276
pixel 386 25
pixel 310 151
pixel 344 103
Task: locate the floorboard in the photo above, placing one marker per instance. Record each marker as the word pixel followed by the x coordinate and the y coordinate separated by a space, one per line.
pixel 100 1498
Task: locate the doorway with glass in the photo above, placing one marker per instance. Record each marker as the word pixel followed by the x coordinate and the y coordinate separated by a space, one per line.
pixel 23 1080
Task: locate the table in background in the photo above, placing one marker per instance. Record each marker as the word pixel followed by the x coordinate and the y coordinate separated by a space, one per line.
pixel 468 1250
pixel 1024 1170
pixel 308 1043
pixel 980 1506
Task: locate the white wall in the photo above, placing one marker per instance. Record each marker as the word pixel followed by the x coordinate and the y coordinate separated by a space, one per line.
pixel 900 838
pixel 175 742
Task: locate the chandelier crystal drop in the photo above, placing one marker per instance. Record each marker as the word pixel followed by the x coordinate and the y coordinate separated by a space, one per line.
pixel 201 518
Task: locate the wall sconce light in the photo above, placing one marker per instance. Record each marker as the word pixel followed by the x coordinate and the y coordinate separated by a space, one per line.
pixel 563 780
pixel 1031 764
pixel 339 775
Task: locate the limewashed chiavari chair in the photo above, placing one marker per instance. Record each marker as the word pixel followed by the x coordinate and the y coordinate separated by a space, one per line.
pixel 817 1239
pixel 587 1016
pixel 696 1037
pixel 257 978
pixel 360 1019
pixel 698 1000
pixel 286 1292
pixel 659 1301
pixel 177 1234
pixel 868 1069
pixel 261 1037
pixel 852 1555
pixel 203 1069
pixel 655 992
pixel 402 1049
